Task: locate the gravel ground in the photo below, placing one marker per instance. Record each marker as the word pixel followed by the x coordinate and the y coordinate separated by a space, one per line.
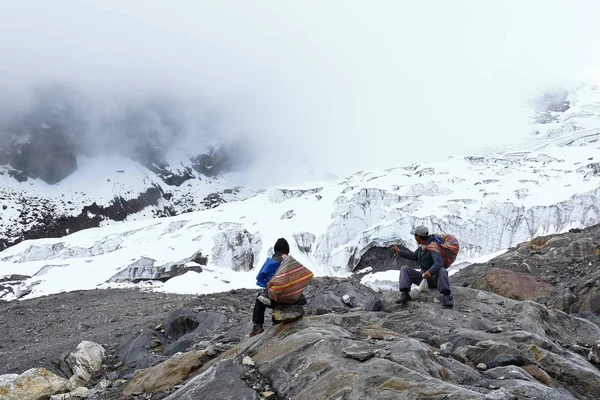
pixel 33 332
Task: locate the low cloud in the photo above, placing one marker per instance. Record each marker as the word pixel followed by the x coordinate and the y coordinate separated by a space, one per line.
pixel 307 86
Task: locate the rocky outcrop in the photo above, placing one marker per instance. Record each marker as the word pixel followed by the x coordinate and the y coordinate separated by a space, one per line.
pixel 355 343
pixel 561 271
pixel 305 241
pixel 398 353
pixel 46 224
pixel 33 384
pixel 144 270
pixel 219 160
pixel 236 248
pixel 280 195
pixel 13 285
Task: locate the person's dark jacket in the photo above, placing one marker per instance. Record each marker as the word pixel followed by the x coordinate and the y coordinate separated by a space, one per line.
pixel 427 260
pixel 278 257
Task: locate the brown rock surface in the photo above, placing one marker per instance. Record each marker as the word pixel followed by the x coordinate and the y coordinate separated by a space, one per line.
pixel 167 374
pixel 512 284
pixel 33 384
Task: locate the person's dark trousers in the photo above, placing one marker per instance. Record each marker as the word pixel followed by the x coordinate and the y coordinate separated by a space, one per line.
pixel 258 315
pixel 409 275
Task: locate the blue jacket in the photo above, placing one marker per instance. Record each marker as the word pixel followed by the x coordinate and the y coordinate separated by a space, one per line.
pixel 268 269
pixel 427 260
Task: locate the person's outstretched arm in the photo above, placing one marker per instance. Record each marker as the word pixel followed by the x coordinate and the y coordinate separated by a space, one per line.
pixel 409 255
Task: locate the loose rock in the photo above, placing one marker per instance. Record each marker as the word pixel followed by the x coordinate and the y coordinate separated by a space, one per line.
pixel 594 355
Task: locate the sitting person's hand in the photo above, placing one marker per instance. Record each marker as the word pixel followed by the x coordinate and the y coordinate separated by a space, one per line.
pixel 395 249
pixel 427 275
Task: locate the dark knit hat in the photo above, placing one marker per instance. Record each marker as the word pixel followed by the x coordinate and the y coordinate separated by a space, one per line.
pixel 281 246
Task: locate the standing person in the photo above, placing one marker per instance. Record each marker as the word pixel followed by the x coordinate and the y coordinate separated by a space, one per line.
pixel 282 250
pixel 432 268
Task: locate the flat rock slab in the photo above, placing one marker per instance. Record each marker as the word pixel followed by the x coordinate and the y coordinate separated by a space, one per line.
pixel 286 314
pixel 222 380
pixel 359 353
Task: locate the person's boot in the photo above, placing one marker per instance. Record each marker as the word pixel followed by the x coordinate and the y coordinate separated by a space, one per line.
pixel 448 301
pixel 256 329
pixel 404 298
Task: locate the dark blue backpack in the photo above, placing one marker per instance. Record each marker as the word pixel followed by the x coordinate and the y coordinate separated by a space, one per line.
pixel 266 272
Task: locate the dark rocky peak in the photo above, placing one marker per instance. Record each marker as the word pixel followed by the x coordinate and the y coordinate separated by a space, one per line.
pixel 222 159
pixel 552 100
pixel 44 142
pixel 147 131
pixel 44 222
pixel 548 105
pixel 49 155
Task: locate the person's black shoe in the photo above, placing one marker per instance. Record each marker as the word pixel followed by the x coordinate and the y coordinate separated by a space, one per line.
pixel 256 329
pixel 448 301
pixel 404 298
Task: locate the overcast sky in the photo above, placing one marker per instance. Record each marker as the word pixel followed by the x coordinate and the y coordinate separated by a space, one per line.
pixel 347 84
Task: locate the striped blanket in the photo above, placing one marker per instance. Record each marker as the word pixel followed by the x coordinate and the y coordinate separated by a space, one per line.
pixel 447 246
pixel 289 281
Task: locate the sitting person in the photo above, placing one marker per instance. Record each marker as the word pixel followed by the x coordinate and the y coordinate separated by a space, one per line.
pixel 432 268
pixel 282 250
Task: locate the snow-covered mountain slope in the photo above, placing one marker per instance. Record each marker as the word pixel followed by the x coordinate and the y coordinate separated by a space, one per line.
pixel 490 202
pixel 66 165
pixel 103 190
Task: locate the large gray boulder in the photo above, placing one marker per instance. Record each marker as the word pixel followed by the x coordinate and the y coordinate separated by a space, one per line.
pixel 145 269
pixel 135 352
pixel 332 295
pixel 182 321
pixel 85 361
